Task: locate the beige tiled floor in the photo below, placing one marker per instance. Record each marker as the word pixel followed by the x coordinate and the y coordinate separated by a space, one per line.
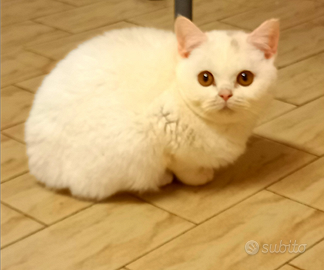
pixel 274 192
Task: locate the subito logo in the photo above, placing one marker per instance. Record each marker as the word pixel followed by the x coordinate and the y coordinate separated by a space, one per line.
pixel 251 247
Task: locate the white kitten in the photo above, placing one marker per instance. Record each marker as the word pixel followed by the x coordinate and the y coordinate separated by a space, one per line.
pixel 127 109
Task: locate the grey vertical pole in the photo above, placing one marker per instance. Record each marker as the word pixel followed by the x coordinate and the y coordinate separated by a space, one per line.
pixel 183 7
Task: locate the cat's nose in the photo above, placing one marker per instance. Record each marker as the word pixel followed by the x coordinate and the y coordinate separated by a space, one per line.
pixel 225 94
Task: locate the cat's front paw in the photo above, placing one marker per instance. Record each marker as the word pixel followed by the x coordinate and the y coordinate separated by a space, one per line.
pixel 198 177
pixel 167 178
pixel 204 176
pixel 207 174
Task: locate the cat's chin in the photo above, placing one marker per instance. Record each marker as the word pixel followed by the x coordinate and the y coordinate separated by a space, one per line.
pixel 226 110
pixel 224 115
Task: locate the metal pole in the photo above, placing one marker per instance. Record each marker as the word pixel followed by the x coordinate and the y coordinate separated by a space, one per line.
pixel 183 7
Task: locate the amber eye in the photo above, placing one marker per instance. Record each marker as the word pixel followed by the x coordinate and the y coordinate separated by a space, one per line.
pixel 245 78
pixel 205 78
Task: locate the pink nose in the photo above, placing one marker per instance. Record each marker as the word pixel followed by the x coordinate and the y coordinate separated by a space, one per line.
pixel 225 94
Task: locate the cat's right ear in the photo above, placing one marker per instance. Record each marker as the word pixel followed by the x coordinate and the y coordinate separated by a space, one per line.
pixel 266 37
pixel 189 36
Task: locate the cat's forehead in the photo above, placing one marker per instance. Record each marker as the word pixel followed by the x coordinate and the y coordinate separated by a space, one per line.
pixel 228 40
pixel 227 50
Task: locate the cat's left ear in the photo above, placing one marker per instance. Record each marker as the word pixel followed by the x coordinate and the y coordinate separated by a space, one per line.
pixel 189 36
pixel 266 37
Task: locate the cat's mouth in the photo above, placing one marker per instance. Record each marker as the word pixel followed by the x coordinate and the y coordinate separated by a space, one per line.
pixel 226 108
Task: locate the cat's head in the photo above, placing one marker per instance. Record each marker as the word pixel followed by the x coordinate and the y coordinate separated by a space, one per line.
pixel 224 76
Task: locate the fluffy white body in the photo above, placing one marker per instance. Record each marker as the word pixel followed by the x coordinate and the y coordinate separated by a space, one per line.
pixel 124 111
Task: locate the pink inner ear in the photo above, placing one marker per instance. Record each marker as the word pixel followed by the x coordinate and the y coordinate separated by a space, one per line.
pixel 266 37
pixel 189 36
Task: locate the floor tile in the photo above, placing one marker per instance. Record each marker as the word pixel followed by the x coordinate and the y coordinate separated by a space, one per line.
pixel 212 10
pixel 13 158
pixel 16 36
pixel 217 26
pixel 305 185
pixel 59 48
pixel 15 106
pixel 22 65
pixel 99 14
pixel 263 163
pixel 219 243
pixel 105 236
pixel 302 128
pixel 22 10
pixel 288 267
pixel 79 3
pixel 301 82
pixel 275 109
pixel 289 13
pixel 257 3
pixel 32 84
pixel 16 132
pixel 164 19
pixel 312 259
pixel 28 196
pixel 310 35
pixel 15 225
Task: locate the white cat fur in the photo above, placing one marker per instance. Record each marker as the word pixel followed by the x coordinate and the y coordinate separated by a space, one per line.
pixel 124 110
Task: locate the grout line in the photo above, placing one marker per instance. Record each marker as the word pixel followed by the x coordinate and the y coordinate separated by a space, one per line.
pixel 279 115
pixel 312 100
pixel 55 27
pixel 68 3
pixel 27 46
pixel 246 198
pixel 282 100
pixel 159 246
pixel 22 238
pixel 262 7
pixel 11 137
pixel 229 24
pixel 29 49
pixel 3 132
pixel 136 24
pixel 22 88
pixel 293 266
pixel 174 214
pixel 24 214
pixel 263 189
pixel 301 23
pixel 300 60
pixel 292 172
pixel 13 177
pixel 87 6
pixel 219 213
pixel 232 206
pixel 32 19
pixel 294 200
pixel 288 262
pixel 238 14
pixel 46 226
pixel 25 79
pixel 283 143
pixel 72 214
pixel 298 105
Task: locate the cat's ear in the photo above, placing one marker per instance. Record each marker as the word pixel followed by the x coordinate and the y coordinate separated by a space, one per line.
pixel 266 37
pixel 189 36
